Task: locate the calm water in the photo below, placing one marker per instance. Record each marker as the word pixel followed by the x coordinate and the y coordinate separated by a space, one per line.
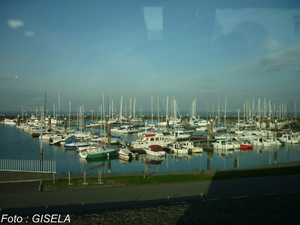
pixel 17 144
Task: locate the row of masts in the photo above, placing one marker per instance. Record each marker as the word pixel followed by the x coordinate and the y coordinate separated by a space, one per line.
pixel 261 110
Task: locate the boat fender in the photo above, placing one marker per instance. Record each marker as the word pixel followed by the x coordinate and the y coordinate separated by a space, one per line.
pixel 87 152
pixel 130 156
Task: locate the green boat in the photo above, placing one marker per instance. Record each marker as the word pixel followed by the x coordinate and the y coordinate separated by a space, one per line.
pixel 98 152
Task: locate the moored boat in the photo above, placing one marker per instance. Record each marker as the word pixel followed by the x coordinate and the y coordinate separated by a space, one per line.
pixel 98 152
pixel 9 122
pixel 151 139
pixel 75 143
pixel 178 149
pixel 155 150
pixel 246 144
pixel 191 147
pixel 127 154
pixel 223 144
pixel 288 139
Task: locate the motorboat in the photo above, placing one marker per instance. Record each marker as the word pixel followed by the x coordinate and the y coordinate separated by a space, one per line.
pixel 179 134
pixel 176 148
pixel 260 142
pixel 125 153
pixel 155 150
pixel 9 122
pixel 191 147
pixel 236 144
pixel 147 140
pixel 222 144
pixel 288 139
pixel 273 141
pixel 246 144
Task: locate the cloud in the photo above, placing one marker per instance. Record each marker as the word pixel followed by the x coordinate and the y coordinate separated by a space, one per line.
pixel 15 24
pixel 286 60
pixel 270 44
pixel 29 33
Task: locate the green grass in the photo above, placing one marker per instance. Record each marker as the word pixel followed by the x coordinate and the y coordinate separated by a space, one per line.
pixel 139 180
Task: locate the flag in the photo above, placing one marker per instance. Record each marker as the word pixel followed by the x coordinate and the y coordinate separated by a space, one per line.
pixel 280 105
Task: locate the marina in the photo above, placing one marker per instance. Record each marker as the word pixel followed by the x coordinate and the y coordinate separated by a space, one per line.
pixel 19 145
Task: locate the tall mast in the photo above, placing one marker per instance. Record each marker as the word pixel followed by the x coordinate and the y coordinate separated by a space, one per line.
pixel 103 111
pixel 174 101
pixel 45 106
pixel 121 106
pixel 130 107
pixel 218 112
pixel 112 109
pixel 134 102
pixel 58 104
pixel 225 109
pixel 158 109
pixel 151 109
pixel 69 113
pixel 167 107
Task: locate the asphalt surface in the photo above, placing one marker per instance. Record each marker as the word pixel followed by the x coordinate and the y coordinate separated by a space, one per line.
pixel 19 192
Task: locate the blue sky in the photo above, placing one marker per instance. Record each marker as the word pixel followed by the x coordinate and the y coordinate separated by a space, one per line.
pixel 186 49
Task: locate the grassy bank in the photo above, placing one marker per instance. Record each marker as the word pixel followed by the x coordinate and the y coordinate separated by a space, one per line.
pixel 77 183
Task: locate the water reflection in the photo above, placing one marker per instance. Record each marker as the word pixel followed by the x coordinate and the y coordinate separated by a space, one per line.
pixel 93 165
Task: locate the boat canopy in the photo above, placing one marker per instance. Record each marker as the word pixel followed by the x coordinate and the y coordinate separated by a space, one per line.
pixel 156 148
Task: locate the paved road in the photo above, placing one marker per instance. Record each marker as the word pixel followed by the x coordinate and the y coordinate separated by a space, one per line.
pixel 29 200
pixel 24 197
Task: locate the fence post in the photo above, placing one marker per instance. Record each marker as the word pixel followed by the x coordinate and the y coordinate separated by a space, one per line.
pixel 69 178
pixel 200 169
pixel 84 178
pixel 99 178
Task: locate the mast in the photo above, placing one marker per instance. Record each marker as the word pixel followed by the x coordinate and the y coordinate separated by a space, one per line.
pixel 174 102
pixel 41 141
pixel 53 110
pixel 58 104
pixel 134 102
pixel 195 108
pixel 157 109
pixel 45 106
pixel 103 111
pixel 225 109
pixel 167 108
pixel 112 109
pixel 69 113
pixel 130 107
pixel 218 112
pixel 121 106
pixel 259 111
pixel 238 124
pixel 152 109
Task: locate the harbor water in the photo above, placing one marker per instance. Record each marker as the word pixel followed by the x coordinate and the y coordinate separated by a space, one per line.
pixel 17 144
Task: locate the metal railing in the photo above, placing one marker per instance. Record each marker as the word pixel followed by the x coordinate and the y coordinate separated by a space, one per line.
pixel 47 166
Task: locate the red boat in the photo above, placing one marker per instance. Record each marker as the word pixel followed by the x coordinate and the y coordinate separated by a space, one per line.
pixel 246 145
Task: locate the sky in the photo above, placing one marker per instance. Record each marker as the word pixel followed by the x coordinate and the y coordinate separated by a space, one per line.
pixel 182 50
